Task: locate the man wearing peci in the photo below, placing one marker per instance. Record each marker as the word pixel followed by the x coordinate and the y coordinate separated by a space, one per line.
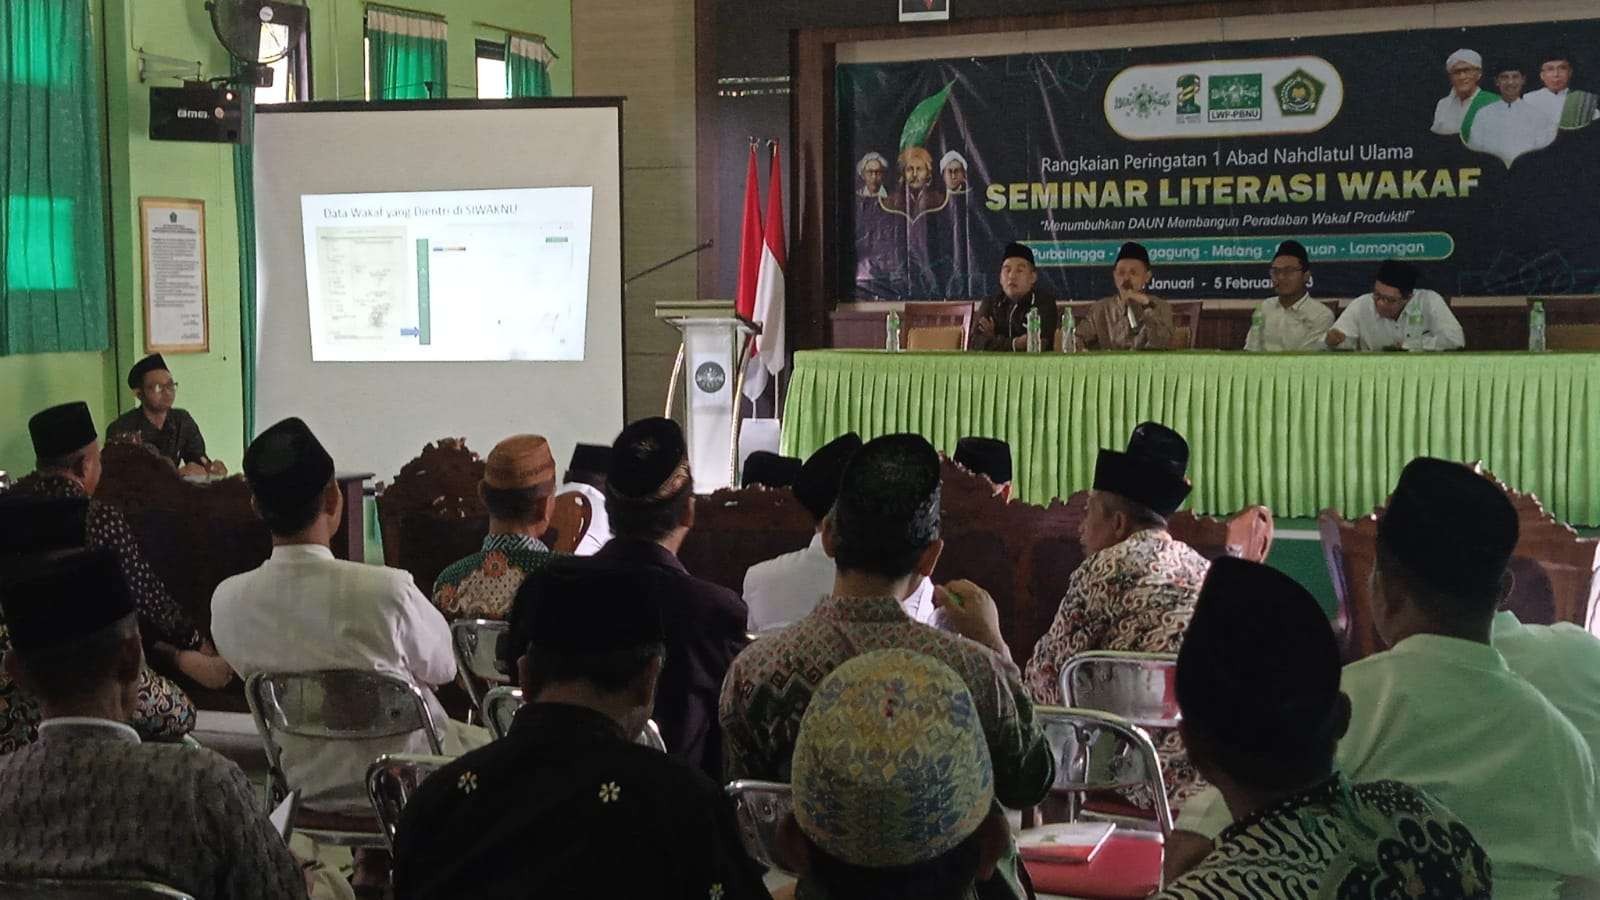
pixel 1290 321
pixel 1559 103
pixel 1130 319
pixel 171 432
pixel 1513 126
pixel 1002 320
pixel 1397 315
pixel 1455 111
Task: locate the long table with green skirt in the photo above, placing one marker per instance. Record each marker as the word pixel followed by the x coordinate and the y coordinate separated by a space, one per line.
pixel 1295 432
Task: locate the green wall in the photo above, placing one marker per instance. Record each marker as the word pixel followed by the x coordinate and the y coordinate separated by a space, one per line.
pixel 210 384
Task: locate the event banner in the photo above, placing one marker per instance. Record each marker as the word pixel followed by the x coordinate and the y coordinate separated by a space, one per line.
pixel 1471 151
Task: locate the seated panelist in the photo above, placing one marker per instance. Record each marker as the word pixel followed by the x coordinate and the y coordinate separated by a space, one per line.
pixel 1397 315
pixel 170 432
pixel 1132 318
pixel 1290 320
pixel 1002 320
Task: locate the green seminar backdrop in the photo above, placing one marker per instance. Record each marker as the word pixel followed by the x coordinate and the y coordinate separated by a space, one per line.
pixel 1298 433
pixel 139 167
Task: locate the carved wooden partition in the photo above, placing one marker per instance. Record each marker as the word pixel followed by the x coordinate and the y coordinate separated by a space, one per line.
pixel 432 515
pixel 1553 570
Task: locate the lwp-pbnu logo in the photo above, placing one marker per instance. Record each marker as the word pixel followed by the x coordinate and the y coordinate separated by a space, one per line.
pixel 710 377
pixel 1233 98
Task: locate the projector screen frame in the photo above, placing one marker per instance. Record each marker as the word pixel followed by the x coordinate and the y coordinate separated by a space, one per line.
pixel 614 102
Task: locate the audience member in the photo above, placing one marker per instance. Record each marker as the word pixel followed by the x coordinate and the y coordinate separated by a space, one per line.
pixel 924 828
pixel 155 423
pixel 89 800
pixel 988 457
pixel 566 804
pixel 518 487
pixel 768 469
pixel 1562 662
pixel 1258 683
pixel 1440 710
pixel 1137 586
pixel 650 501
pixel 586 475
pixel 304 611
pixel 68 467
pixel 884 536
pixel 781 590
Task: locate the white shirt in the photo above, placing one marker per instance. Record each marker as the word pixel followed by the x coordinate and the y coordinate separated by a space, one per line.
pixel 1563 662
pixel 1552 105
pixel 1426 323
pixel 1301 327
pixel 1451 110
pixel 785 589
pixel 1450 717
pixel 1509 130
pixel 303 610
pixel 599 523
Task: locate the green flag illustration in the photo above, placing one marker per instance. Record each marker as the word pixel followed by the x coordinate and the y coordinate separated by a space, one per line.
pixel 921 120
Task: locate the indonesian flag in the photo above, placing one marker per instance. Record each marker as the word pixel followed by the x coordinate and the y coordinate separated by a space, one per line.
pixel 744 301
pixel 769 290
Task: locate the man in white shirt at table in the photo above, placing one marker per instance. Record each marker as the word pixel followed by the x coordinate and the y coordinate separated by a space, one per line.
pixel 303 611
pixel 1397 315
pixel 1290 321
pixel 787 588
pixel 1442 711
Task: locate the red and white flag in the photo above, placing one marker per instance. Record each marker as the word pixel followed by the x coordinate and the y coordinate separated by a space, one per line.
pixel 744 300
pixel 769 290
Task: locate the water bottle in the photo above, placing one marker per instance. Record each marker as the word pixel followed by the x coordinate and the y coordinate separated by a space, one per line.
pixel 1414 323
pixel 1033 330
pixel 1069 332
pixel 891 340
pixel 1536 327
pixel 1258 321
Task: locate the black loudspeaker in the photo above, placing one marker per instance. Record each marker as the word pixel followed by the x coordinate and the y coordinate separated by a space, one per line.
pixel 195 112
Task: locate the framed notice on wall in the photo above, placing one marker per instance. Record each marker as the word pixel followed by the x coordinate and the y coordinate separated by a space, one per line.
pixel 173 238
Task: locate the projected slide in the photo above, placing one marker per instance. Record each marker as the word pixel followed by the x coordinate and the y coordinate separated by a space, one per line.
pixel 448 275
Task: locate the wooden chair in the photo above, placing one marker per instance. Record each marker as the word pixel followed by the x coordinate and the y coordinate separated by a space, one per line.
pixel 1186 324
pixel 1247 534
pixel 431 515
pixel 932 314
pixel 1572 337
pixel 570 516
pixel 1553 571
pixel 936 337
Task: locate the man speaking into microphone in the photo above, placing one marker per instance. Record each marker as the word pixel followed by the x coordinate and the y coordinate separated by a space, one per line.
pixel 1132 318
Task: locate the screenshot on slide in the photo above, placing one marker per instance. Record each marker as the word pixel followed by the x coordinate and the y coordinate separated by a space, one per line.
pixel 448 275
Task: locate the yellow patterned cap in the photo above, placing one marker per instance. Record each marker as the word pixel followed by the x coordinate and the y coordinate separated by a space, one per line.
pixel 891 767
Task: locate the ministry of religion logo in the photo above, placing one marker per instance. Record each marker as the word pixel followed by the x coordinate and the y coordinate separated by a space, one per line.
pixel 1298 93
pixel 1188 96
pixel 1234 98
pixel 1143 101
pixel 710 377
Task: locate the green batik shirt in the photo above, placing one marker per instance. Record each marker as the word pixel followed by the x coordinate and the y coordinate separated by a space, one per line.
pixel 483 585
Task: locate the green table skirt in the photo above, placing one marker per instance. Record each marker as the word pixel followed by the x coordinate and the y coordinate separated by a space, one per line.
pixel 1295 432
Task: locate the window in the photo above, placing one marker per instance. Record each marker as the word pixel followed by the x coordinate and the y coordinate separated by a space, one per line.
pixel 491 71
pixel 291 73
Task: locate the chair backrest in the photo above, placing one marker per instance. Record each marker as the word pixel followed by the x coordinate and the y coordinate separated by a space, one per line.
pixel 1186 324
pixel 1138 687
pixel 335 705
pixel 924 314
pixel 392 779
pixel 500 707
pixel 936 337
pixel 87 889
pixel 570 516
pixel 474 642
pixel 1097 751
pixel 1572 337
pixel 759 806
pixel 1247 534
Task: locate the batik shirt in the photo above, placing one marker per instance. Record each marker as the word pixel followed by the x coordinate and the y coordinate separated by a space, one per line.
pixel 178 440
pixel 1372 841
pixel 90 801
pixel 1137 596
pixel 771 683
pixel 482 585
pixel 160 616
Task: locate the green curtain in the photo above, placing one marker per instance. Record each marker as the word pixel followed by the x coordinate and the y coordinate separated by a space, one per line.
pixel 1296 432
pixel 406 55
pixel 244 197
pixel 527 67
pixel 53 283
